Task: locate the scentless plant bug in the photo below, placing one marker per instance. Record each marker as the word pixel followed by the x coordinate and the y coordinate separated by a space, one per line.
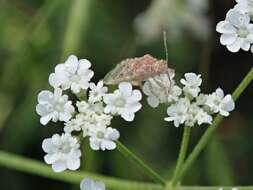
pixel 135 70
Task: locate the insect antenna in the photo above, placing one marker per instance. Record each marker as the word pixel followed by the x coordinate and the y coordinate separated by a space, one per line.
pixel 165 46
pixel 166 51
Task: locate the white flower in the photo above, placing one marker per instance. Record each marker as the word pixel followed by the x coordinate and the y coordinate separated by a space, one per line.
pixel 103 138
pixel 89 184
pixel 62 152
pixel 178 112
pixel 191 84
pixel 74 74
pixel 236 30
pixel 174 93
pixel 54 106
pixel 203 117
pixel 83 106
pixel 74 124
pixel 220 104
pixel 161 89
pixel 201 99
pixel 185 112
pixel 196 114
pixel 90 116
pixel 123 101
pixel 93 115
pixel 97 91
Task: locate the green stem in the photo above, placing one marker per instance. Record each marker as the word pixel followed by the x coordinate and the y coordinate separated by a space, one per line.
pixel 211 129
pixel 18 163
pixel 131 156
pixel 182 154
pixel 26 165
pixel 76 26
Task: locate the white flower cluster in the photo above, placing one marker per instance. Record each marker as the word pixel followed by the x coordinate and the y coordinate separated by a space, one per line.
pixel 186 105
pixel 90 116
pixel 237 28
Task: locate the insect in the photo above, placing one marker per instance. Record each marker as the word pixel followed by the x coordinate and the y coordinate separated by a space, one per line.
pixel 136 70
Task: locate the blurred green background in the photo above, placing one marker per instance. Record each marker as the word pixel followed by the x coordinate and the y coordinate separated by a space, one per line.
pixel 37 35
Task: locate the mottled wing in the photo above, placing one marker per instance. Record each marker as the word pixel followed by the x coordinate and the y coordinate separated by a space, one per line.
pixel 136 70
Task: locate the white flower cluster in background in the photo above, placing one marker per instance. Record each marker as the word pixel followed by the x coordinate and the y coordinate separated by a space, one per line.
pixel 186 105
pixel 237 28
pixel 175 17
pixel 90 116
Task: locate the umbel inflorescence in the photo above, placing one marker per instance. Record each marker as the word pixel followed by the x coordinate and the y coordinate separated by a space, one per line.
pixel 90 114
pixel 186 104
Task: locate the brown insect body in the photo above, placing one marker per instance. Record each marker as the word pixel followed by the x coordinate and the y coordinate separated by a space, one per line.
pixel 136 70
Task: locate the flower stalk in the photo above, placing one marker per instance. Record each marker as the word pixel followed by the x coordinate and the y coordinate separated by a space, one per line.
pixel 131 156
pixel 30 166
pixel 211 129
pixel 78 19
pixel 182 154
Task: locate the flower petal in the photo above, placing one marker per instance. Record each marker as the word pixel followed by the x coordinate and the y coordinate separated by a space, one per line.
pixel 47 145
pixel 227 39
pixel 128 116
pixel 237 19
pixel 229 104
pixel 125 88
pixel 58 166
pixel 153 101
pixel 55 80
pixel 225 27
pixel 73 164
pixel 245 45
pixel 45 96
pixel 135 97
pixel 72 64
pixel 45 119
pixel 84 64
pixel 87 184
pixel 235 47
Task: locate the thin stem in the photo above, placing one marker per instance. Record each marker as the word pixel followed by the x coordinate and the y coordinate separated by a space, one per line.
pixel 211 129
pixel 131 156
pixel 76 26
pixel 26 165
pixel 18 163
pixel 182 154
